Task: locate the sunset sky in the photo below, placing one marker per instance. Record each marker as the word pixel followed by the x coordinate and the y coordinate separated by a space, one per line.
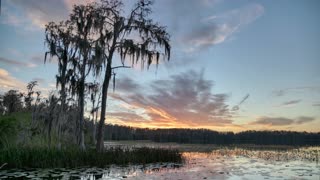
pixel 235 65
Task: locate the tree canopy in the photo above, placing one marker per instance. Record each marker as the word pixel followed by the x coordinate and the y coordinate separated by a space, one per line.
pixel 86 43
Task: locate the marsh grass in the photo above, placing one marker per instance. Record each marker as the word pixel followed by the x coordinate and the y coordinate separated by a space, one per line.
pixel 28 157
pixel 20 149
pixel 310 154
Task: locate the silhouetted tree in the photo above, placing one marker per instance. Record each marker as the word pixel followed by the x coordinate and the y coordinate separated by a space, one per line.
pixel 87 20
pixel 59 40
pixel 12 101
pixel 91 37
pixel 60 44
pixel 206 136
pixel 95 95
pixel 116 36
pixel 29 96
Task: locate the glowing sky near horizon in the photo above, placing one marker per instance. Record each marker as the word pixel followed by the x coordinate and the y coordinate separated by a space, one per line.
pixel 235 65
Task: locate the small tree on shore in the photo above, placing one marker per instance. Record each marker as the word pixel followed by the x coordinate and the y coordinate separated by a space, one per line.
pixel 12 101
pixel 29 96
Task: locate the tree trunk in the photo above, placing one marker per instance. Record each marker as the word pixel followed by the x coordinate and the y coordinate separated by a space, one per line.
pixel 94 120
pixel 63 95
pixel 50 127
pixel 81 106
pixel 81 118
pixel 93 131
pixel 62 112
pixel 105 86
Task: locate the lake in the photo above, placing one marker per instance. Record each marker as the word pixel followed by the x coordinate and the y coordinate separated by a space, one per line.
pixel 201 162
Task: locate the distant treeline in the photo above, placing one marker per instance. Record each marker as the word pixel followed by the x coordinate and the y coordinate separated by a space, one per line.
pixel 206 136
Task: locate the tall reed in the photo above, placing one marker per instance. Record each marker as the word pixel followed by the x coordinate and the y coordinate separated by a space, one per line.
pixel 30 157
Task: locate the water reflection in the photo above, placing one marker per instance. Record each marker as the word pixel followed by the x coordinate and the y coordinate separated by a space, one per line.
pixel 223 163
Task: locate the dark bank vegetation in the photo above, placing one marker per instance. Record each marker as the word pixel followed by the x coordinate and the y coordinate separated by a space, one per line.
pixel 83 47
pixel 37 127
pixel 43 157
pixel 206 136
pixel 30 139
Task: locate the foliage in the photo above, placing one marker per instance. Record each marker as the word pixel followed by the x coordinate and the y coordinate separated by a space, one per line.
pixel 135 37
pixel 8 129
pixel 30 157
pixel 86 43
pixel 29 96
pixel 13 126
pixel 11 102
pixel 206 136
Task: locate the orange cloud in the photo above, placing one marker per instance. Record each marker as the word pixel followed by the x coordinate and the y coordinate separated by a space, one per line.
pixel 8 82
pixel 183 101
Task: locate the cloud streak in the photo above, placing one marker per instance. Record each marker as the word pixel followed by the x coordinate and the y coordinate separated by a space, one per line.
pixel 8 82
pixel 302 89
pixel 216 29
pixel 290 103
pixel 16 63
pixel 39 13
pixel 281 121
pixel 304 119
pixel 126 84
pixel 183 100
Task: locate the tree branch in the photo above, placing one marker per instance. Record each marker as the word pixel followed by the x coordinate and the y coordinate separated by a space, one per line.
pixel 116 67
pixel 3 165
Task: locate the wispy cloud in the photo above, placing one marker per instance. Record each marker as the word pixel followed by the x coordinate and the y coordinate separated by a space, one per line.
pixel 279 93
pixel 125 84
pixel 282 121
pixel 70 3
pixel 183 100
pixel 216 29
pixel 8 82
pixel 40 12
pixel 124 116
pixel 273 121
pixel 14 52
pixel 16 63
pixel 11 19
pixel 302 89
pixel 304 119
pixel 290 103
pixel 39 80
pixel 316 104
pixel 34 14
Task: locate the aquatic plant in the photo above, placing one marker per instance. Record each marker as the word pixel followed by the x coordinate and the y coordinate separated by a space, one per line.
pixel 43 157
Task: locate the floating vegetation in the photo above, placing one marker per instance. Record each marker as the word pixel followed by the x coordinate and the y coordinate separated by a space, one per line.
pixel 223 163
pixel 291 154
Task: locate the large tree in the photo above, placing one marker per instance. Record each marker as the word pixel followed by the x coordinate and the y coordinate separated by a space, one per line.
pixel 72 42
pixel 134 36
pixel 60 43
pixel 91 38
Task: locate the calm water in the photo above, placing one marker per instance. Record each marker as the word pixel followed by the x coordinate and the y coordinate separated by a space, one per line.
pixel 201 162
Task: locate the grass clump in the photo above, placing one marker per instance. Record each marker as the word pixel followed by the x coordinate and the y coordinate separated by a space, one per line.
pixel 30 157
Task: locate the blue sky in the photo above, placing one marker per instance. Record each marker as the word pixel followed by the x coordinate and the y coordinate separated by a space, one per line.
pixel 258 61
